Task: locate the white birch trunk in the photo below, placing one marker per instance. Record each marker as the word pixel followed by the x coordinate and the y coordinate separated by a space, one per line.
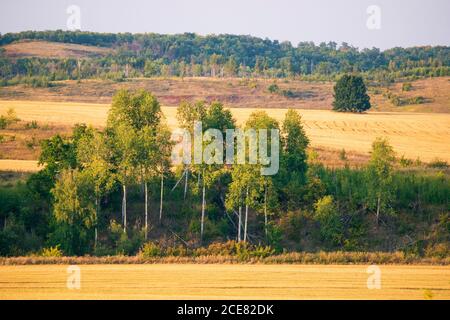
pixel 203 209
pixel 124 206
pixel 265 211
pixel 240 224
pixel 186 182
pixel 161 199
pixel 146 209
pixel 246 216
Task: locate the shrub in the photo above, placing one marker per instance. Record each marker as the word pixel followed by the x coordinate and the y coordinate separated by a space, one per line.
pixel 405 162
pixel 440 250
pixel 326 213
pixel 51 252
pixel 32 125
pixel 438 164
pixel 273 88
pixel 407 86
pixel 150 250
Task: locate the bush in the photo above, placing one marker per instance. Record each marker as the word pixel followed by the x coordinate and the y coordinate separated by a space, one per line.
pixel 440 250
pixel 32 125
pixel 150 250
pixel 438 164
pixel 273 88
pixel 326 213
pixel 407 86
pixel 51 252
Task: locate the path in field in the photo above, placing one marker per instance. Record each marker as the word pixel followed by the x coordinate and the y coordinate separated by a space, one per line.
pixel 415 135
pixel 178 281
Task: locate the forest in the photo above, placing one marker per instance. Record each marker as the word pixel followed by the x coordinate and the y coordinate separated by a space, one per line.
pixel 191 55
pixel 114 192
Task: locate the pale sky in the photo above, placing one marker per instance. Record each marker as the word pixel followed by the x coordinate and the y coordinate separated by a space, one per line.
pixel 403 22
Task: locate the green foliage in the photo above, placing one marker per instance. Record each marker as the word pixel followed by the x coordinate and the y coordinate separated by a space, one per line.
pixel 331 227
pixel 273 88
pixel 379 177
pixel 8 119
pixel 406 86
pixel 195 55
pixel 438 164
pixel 150 250
pixel 51 252
pixel 350 94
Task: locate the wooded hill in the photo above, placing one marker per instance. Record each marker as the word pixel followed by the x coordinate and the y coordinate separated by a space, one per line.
pixel 224 55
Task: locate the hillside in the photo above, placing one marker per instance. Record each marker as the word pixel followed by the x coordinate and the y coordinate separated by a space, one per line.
pixel 414 135
pixel 238 93
pixel 53 50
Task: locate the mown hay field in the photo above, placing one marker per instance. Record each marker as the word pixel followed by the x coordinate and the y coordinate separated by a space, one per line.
pixel 414 135
pixel 194 281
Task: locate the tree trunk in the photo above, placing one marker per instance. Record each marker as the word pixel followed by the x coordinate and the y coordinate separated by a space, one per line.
pixel 378 208
pixel 240 224
pixel 203 209
pixel 186 183
pixel 124 208
pixel 97 210
pixel 161 199
pixel 265 211
pixel 146 209
pixel 246 216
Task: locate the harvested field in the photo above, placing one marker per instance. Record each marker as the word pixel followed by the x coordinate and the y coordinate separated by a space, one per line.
pixel 414 135
pixel 224 282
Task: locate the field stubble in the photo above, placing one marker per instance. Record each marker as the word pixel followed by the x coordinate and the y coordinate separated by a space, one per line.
pixel 414 135
pixel 224 282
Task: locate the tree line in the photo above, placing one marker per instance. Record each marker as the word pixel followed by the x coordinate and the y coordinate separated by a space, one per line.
pixel 188 54
pixel 110 191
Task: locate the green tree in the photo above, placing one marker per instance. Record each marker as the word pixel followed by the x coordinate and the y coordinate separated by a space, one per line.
pixel 93 156
pixel 350 94
pixel 331 226
pixel 133 124
pixel 73 210
pixel 248 187
pixel 379 177
pixel 294 166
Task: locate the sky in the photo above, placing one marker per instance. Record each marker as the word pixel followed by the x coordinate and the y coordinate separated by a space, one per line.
pixel 392 23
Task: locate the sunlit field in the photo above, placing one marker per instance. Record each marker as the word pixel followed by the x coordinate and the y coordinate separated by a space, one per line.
pixel 413 135
pixel 224 282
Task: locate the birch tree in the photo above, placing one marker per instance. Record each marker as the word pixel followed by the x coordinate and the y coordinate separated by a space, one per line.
pixel 379 178
pixel 93 155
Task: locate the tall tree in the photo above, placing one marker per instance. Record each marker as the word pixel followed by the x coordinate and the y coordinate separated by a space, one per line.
pixel 133 122
pixel 294 166
pixel 73 209
pixel 350 94
pixel 379 177
pixel 93 156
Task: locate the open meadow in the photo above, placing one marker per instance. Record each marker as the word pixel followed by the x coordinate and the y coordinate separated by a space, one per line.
pixel 193 281
pixel 413 135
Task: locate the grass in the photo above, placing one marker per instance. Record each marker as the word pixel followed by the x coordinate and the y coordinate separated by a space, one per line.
pixel 189 281
pixel 327 258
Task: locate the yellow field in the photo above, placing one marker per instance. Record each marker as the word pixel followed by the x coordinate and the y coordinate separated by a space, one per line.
pixel 184 281
pixel 414 135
